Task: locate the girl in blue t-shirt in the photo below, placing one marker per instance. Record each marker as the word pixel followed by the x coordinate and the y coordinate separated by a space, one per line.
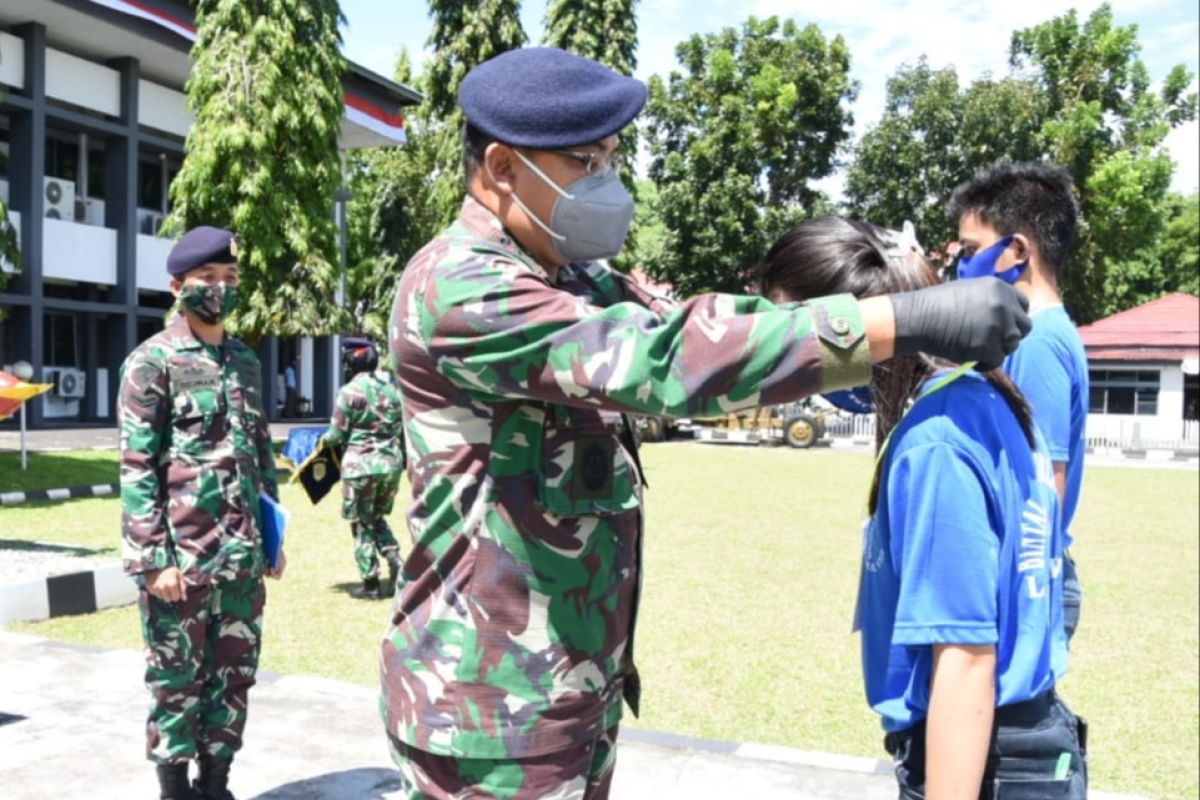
pixel 960 595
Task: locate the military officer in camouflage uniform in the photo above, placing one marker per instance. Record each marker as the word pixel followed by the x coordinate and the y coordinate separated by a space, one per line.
pixel 195 454
pixel 368 423
pixel 521 356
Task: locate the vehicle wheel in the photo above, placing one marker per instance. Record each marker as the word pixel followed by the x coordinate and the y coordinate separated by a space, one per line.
pixel 800 431
pixel 652 429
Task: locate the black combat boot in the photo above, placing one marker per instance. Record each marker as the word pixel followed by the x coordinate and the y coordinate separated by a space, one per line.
pixel 368 591
pixel 213 783
pixel 173 782
pixel 393 573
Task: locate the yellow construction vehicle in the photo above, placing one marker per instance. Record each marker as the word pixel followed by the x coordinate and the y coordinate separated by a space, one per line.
pixel 801 425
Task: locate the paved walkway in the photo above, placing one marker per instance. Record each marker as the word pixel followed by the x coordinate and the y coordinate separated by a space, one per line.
pixel 80 711
pixel 103 438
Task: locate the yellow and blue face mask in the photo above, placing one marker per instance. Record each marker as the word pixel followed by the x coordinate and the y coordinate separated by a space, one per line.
pixel 983 263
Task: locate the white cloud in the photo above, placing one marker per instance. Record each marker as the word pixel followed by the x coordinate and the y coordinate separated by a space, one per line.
pixel 1184 144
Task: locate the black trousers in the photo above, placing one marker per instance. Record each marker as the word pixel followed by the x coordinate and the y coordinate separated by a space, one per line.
pixel 1038 752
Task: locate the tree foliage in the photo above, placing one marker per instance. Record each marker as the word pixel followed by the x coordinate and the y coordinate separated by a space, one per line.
pixel 1179 247
pixel 1107 126
pixel 935 134
pixel 402 196
pixel 391 215
pixel 736 141
pixel 1078 96
pixel 262 156
pixel 465 33
pixel 603 30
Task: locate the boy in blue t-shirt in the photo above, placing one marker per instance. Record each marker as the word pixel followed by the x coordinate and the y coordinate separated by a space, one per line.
pixel 1016 221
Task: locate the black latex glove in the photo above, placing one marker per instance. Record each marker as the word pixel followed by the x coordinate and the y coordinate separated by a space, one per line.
pixel 980 319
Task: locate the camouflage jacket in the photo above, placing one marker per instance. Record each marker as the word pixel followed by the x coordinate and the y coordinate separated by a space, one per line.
pixel 368 423
pixel 512 634
pixel 195 453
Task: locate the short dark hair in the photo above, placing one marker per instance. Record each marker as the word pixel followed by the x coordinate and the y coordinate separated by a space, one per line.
pixel 1037 200
pixel 474 144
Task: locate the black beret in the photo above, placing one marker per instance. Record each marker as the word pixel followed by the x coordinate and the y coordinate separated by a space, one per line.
pixel 546 98
pixel 200 246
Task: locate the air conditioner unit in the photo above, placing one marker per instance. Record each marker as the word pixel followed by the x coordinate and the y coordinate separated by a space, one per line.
pixel 149 221
pixel 89 211
pixel 68 381
pixel 60 198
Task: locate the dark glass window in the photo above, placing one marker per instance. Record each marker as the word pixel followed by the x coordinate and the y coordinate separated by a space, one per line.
pixel 150 185
pixel 1191 396
pixel 1123 392
pixel 61 339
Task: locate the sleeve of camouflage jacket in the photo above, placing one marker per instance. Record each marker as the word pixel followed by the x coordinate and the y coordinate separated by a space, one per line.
pixel 266 456
pixel 501 330
pixel 339 424
pixel 143 415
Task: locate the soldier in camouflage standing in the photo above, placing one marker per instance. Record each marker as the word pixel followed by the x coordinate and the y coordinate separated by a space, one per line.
pixel 368 423
pixel 195 454
pixel 520 355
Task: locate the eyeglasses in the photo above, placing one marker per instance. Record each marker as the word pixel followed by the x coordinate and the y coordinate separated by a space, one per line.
pixel 595 162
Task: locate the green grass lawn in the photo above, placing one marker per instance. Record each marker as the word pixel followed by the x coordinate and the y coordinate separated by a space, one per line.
pixel 751 565
pixel 58 470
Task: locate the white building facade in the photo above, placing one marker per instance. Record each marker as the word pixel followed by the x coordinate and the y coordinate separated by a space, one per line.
pixel 92 126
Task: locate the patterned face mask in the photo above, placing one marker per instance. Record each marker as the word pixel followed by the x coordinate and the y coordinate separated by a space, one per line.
pixel 211 303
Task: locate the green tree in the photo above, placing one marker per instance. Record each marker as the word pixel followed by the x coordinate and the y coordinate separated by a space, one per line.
pixel 603 30
pixel 390 216
pixel 736 141
pixel 1078 96
pixel 465 33
pixel 262 156
pixel 1179 247
pixel 932 137
pixel 1107 126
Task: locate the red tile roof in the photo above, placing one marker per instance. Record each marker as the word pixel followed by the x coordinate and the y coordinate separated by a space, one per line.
pixel 1167 329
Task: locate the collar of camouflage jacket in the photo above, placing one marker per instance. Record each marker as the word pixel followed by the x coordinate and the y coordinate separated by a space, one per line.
pixel 181 333
pixel 481 223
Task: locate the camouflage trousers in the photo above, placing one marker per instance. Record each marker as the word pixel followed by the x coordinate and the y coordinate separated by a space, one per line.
pixel 366 502
pixel 583 772
pixel 201 659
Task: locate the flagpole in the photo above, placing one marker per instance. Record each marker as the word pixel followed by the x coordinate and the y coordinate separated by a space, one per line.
pixel 24 465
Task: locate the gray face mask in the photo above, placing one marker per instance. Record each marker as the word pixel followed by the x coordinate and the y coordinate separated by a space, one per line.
pixel 590 218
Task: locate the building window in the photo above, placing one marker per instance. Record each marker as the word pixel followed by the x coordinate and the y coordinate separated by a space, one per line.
pixel 1133 392
pixel 1191 396
pixel 61 339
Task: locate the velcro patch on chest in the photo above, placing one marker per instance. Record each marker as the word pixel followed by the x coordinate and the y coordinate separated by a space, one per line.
pixel 592 477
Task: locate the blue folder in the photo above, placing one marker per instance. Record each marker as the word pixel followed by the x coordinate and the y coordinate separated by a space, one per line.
pixel 275 521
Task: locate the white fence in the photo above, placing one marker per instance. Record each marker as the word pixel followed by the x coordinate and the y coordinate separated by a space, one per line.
pixel 1114 433
pixel 850 426
pixel 1132 434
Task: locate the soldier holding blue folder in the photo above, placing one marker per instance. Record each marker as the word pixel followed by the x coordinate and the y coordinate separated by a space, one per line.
pixel 195 455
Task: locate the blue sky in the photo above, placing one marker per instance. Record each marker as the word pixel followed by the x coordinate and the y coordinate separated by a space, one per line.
pixel 882 34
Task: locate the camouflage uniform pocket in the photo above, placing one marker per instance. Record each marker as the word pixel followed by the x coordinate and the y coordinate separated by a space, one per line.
pixel 196 411
pixel 584 468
